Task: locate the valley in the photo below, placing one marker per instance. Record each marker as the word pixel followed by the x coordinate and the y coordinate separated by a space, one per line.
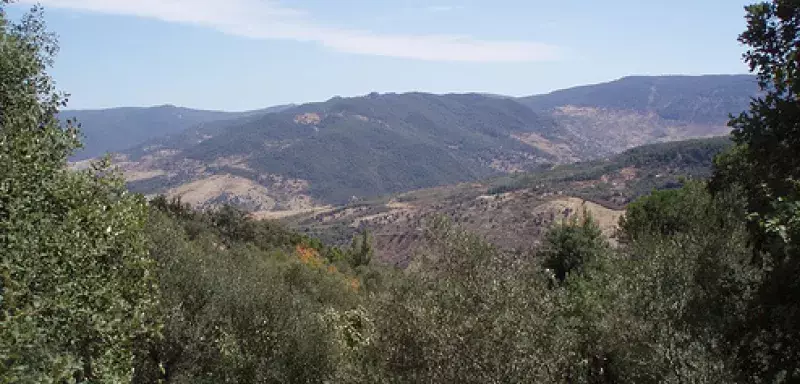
pixel 513 212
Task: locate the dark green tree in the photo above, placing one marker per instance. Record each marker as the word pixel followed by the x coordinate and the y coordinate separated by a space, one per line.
pixel 766 166
pixel 666 212
pixel 361 251
pixel 569 246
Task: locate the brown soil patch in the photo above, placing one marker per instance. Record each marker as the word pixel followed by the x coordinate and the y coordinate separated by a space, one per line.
pixel 628 173
pixel 202 193
pixel 568 207
pixel 239 162
pixel 275 215
pixel 308 119
pixel 142 175
pixel 562 151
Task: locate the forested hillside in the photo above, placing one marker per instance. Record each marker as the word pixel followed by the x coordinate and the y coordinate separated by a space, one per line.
pixel 700 283
pixel 112 130
pixel 358 147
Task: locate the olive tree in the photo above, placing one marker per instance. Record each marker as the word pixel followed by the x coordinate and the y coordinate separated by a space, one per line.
pixel 75 286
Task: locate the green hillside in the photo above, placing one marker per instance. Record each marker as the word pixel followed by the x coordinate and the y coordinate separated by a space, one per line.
pixel 513 212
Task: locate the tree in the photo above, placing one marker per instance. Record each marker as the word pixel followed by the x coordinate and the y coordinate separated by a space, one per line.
pixel 569 246
pixel 663 305
pixel 361 250
pixel 468 313
pixel 75 286
pixel 666 212
pixel 765 163
pixel 767 167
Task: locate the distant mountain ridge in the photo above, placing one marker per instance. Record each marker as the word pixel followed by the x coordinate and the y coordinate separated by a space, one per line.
pixel 331 152
pixel 117 129
pixel 611 117
pixel 697 99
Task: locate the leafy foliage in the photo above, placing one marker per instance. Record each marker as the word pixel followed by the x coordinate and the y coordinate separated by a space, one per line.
pixel 470 314
pixel 665 212
pixel 76 292
pixel 765 166
pixel 361 250
pixel 245 301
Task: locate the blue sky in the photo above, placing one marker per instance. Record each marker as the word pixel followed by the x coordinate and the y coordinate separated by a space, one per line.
pixel 247 54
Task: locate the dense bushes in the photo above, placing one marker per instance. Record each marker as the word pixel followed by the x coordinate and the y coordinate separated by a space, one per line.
pixel 468 313
pixel 242 310
pixel 664 306
pixel 667 305
pixel 570 246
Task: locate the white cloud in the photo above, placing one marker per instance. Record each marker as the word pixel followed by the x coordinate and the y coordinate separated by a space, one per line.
pixel 266 19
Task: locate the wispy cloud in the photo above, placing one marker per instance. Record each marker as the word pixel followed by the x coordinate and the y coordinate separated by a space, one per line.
pixel 266 19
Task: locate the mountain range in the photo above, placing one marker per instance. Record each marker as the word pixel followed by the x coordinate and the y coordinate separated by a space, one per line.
pixel 294 158
pixel 118 129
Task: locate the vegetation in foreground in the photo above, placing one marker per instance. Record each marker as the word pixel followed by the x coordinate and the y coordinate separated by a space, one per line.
pixel 98 286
